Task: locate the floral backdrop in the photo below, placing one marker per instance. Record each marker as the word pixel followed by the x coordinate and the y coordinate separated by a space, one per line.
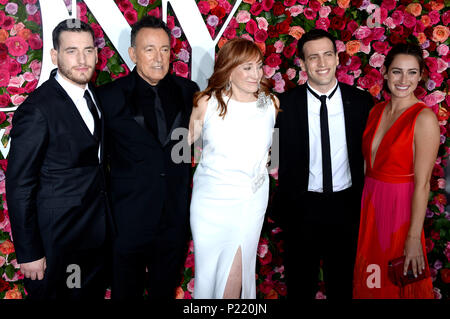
pixel 365 29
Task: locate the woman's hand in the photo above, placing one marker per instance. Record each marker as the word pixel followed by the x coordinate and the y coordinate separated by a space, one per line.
pixel 414 255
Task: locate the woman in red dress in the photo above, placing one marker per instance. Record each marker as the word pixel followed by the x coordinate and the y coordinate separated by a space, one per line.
pixel 400 146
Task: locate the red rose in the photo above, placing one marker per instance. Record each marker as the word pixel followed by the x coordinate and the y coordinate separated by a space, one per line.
pixel 3 51
pixel 267 5
pixel 4 285
pixel 219 12
pixel 431 64
pixel 3 118
pixel 101 63
pixel 124 5
pixel 337 23
pixel 98 32
pixel 230 33
pixel 322 23
pixel 204 7
pixel 265 270
pixel 4 165
pixel 256 9
pixel 395 38
pixel 389 4
pixel 283 27
pixel 16 46
pixel 261 36
pixel 30 86
pixel 289 3
pixel 8 23
pixel 15 90
pixel 281 288
pixel 251 26
pixel 278 9
pixel 381 47
pixel 14 67
pixel 356 3
pixel 131 16
pixel 338 11
pixel 273 60
pixel 315 5
pixel 352 26
pixel 5 99
pixel 36 18
pixel 428 32
pixel 35 41
pixel 181 68
pixel 445 275
pixel 346 35
pixel 272 31
pixel 420 92
pixel 290 50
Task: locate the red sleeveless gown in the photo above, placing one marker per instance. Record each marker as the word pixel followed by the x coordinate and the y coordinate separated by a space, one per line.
pixel 386 207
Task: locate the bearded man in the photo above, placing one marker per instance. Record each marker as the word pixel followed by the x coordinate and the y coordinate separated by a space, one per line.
pixel 55 182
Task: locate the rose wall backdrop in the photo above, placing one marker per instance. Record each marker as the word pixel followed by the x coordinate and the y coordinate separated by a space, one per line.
pixel 365 29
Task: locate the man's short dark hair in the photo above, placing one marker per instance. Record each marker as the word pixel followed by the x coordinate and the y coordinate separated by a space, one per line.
pixel 314 34
pixel 71 25
pixel 148 22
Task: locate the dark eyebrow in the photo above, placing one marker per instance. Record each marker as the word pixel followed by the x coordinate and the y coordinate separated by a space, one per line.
pixel 412 69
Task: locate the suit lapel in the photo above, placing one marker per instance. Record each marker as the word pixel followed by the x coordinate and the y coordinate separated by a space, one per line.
pixel 72 109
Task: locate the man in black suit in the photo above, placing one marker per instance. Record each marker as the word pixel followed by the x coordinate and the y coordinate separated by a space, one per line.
pixel 321 172
pixel 149 184
pixel 55 183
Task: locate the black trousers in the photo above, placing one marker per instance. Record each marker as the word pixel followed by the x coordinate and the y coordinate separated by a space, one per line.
pixel 156 266
pixel 61 275
pixel 326 228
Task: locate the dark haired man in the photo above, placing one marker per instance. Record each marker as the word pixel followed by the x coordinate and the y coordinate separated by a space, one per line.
pixel 55 179
pixel 150 190
pixel 321 172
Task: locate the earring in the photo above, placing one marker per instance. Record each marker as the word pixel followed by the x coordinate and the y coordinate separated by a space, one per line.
pixel 228 86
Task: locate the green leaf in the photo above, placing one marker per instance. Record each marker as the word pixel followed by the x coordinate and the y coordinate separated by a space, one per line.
pixel 10 271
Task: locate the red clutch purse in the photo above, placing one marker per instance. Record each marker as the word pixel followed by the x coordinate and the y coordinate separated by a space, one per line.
pixel 395 273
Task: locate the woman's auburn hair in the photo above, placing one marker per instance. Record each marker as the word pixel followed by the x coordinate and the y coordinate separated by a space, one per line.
pixel 232 54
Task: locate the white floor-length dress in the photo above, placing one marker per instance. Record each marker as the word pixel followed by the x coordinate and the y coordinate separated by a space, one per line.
pixel 230 194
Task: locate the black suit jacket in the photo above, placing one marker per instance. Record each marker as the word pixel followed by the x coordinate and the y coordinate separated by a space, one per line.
pixel 145 181
pixel 55 185
pixel 293 172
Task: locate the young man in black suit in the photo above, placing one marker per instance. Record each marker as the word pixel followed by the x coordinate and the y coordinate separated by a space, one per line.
pixel 55 183
pixel 149 188
pixel 321 172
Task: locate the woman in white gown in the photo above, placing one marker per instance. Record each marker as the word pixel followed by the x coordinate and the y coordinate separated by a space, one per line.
pixel 235 116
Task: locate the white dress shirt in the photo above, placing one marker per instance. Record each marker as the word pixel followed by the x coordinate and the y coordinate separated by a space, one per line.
pixel 338 143
pixel 77 95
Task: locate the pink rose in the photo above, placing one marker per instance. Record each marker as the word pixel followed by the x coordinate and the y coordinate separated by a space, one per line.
pixel 362 32
pixel 155 12
pixel 340 46
pixel 397 17
pixel 262 23
pixel 431 63
pixel 323 23
pixel 389 4
pixel 324 11
pixel 268 71
pixel 446 17
pixel 355 63
pixel 376 60
pixel 243 16
pixel 8 23
pixel 291 74
pixel 441 65
pixel 230 33
pixel 247 36
pixel 35 67
pixel 381 47
pixel 2 260
pixel 35 41
pixel 17 99
pixel 295 10
pixel 190 285
pixel 434 98
pixel 279 46
pixel 262 250
pixel 256 8
pixel 204 7
pixel 352 26
pixel 31 86
pixel 302 77
pixel 28 76
pixel 442 49
pixel 315 5
pixel 16 46
pixel 16 81
pixel 279 86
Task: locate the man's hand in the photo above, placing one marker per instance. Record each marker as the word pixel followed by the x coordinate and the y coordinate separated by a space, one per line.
pixel 35 269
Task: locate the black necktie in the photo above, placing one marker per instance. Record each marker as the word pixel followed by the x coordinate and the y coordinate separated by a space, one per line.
pixel 325 138
pixel 160 117
pixel 93 109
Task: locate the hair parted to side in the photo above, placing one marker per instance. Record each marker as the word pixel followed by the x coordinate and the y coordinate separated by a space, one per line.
pixel 233 53
pixel 70 25
pixel 314 34
pixel 148 22
pixel 403 48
